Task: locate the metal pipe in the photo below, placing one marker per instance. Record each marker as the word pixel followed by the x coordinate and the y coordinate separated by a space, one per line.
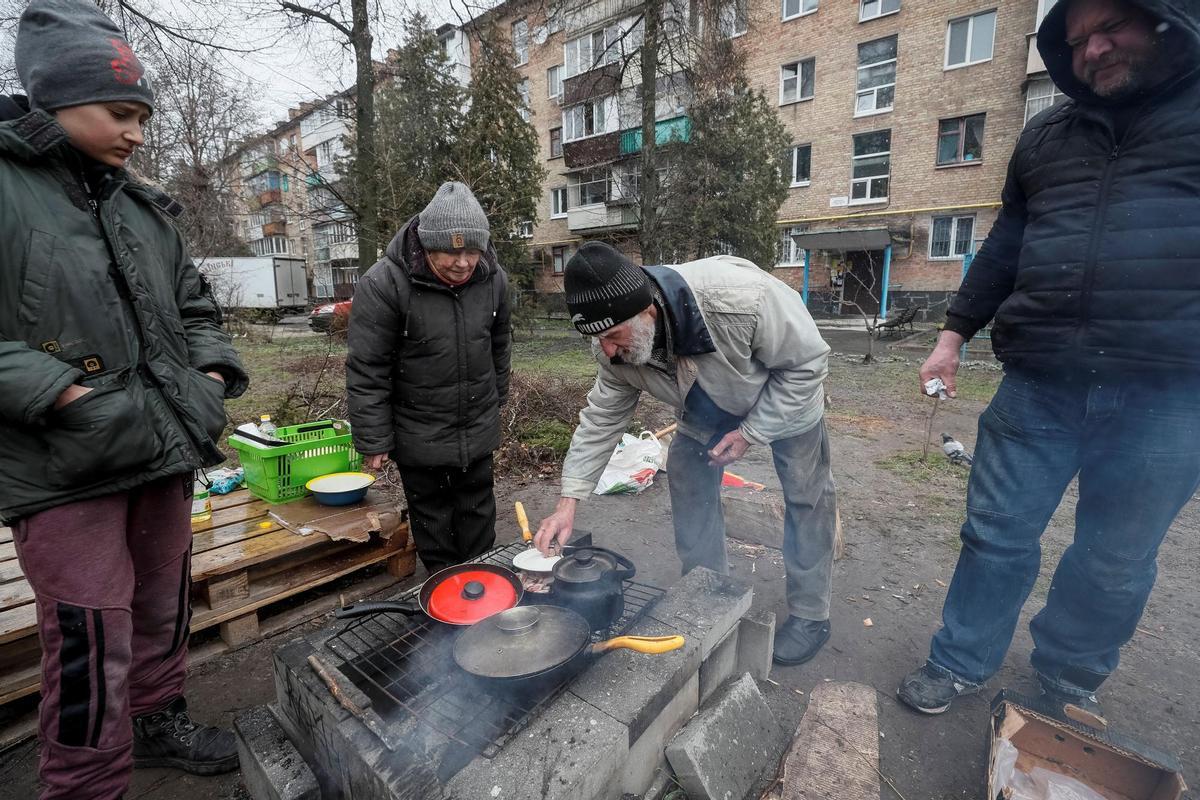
pixel 805 293
pixel 887 271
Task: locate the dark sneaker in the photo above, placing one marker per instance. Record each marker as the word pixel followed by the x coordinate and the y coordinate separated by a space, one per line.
pixel 930 691
pixel 170 738
pixel 1083 708
pixel 798 640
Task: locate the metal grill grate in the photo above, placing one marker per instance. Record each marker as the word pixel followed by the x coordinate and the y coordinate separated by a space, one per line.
pixel 405 666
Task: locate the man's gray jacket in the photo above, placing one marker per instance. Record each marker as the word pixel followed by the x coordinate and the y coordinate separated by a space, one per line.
pixel 740 335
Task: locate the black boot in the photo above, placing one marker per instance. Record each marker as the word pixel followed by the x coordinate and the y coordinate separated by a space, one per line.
pixel 169 738
pixel 798 640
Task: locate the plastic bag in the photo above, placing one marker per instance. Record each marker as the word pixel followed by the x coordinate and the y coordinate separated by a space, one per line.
pixel 633 465
pixel 225 480
pixel 1038 783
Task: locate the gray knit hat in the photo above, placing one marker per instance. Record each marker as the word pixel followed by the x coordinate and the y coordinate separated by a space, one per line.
pixel 453 220
pixel 69 53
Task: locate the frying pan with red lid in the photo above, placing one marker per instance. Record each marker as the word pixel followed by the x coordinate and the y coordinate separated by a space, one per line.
pixel 459 595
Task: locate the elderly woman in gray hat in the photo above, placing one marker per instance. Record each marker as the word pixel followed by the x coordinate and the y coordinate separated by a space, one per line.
pixel 427 371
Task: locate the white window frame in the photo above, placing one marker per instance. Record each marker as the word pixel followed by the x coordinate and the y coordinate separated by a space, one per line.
pixel 970 20
pixel 574 60
pixel 1043 9
pixel 873 91
pixel 805 7
pixel 601 113
pixel 790 255
pixel 525 229
pixel 798 79
pixel 554 81
pixel 523 89
pixel 955 221
pixel 578 193
pixel 559 203
pixel 1055 96
pixel 867 180
pixel 520 39
pixel 795 158
pixel 558 260
pixel 862 10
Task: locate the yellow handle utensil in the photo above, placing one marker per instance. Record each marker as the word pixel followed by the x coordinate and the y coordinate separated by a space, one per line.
pixel 523 521
pixel 641 644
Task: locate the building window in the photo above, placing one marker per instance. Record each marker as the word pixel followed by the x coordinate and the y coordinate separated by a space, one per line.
pixel 525 229
pixel 950 237
pixel 732 18
pixel 556 142
pixel 796 81
pixel 520 39
pixel 969 39
pixel 270 246
pixel 1044 7
pixel 870 9
pixel 798 8
pixel 590 50
pixel 787 253
pixel 585 119
pixel 871 167
pixel 960 140
pixel 876 77
pixel 1041 94
pixel 523 109
pixel 554 86
pixel 558 257
pixel 589 188
pixel 558 203
pixel 801 164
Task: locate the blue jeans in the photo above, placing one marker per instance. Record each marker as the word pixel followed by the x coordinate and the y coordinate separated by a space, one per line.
pixel 1136 449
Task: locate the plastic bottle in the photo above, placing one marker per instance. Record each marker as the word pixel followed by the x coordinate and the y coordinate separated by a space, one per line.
pixel 201 500
pixel 266 427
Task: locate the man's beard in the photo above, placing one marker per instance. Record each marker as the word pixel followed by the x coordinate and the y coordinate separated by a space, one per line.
pixel 1139 74
pixel 640 349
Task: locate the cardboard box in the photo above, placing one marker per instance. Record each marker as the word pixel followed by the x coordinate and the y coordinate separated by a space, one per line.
pixel 1111 765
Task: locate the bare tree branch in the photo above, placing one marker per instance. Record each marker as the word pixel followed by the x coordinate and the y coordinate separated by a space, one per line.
pixel 321 15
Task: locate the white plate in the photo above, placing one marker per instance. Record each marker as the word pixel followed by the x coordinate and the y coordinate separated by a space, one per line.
pixel 532 560
pixel 340 482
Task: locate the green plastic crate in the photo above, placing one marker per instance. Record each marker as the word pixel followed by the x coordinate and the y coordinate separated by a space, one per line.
pixel 278 474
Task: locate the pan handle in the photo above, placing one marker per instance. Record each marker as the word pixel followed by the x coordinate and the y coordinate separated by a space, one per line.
pixel 377 607
pixel 641 644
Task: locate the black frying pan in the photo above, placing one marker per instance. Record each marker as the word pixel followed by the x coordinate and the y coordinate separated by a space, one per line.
pixel 460 595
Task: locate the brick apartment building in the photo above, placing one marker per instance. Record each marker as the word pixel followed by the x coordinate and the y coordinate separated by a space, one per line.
pixel 903 115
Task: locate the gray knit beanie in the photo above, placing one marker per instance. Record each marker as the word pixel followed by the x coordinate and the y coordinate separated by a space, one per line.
pixel 453 220
pixel 69 53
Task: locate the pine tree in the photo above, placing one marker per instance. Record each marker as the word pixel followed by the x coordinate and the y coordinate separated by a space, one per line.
pixel 731 166
pixel 419 109
pixel 497 153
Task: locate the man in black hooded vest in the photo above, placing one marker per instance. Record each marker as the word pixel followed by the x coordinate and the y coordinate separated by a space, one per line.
pixel 1091 275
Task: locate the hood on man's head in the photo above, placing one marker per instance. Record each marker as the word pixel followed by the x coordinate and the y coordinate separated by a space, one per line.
pixel 69 53
pixel 1180 25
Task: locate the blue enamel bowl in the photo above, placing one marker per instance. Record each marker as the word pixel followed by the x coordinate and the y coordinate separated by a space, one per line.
pixel 340 488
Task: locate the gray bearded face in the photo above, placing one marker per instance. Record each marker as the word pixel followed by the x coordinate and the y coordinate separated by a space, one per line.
pixel 639 347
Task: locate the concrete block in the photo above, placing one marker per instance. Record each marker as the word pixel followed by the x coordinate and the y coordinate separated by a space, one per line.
pixel 726 747
pixel 704 606
pixel 720 665
pixel 646 760
pixel 272 767
pixel 634 688
pixel 572 750
pixel 756 644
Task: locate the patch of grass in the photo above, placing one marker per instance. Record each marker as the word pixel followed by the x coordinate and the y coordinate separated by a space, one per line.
pixel 555 349
pixel 550 434
pixel 978 385
pixel 938 469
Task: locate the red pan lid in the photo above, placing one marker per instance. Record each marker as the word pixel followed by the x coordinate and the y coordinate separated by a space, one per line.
pixel 466 597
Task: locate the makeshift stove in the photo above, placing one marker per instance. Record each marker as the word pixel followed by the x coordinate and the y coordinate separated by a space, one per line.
pixel 378 708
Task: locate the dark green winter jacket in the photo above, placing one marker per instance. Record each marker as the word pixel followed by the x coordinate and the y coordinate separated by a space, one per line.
pixel 427 366
pixel 105 297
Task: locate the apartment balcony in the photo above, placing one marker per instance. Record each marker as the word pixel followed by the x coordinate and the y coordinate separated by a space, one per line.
pixel 583 15
pixel 259 166
pixel 593 150
pixel 1033 62
pixel 602 216
pixel 599 81
pixel 667 131
pixel 268 197
pixel 277 228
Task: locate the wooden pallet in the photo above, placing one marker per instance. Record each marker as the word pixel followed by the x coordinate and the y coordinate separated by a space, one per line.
pixel 242 563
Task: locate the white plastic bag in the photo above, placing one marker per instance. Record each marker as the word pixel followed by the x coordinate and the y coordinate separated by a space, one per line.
pixel 1039 783
pixel 633 464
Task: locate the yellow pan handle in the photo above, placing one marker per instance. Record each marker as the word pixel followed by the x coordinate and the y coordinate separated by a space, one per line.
pixel 523 521
pixel 641 644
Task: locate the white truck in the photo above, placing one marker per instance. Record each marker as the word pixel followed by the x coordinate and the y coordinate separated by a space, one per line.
pixel 268 286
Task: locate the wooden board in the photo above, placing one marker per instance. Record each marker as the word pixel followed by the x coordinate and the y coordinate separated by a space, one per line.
pixel 835 755
pixel 241 560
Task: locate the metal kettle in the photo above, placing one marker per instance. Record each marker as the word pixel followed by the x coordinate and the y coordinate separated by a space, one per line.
pixel 590 581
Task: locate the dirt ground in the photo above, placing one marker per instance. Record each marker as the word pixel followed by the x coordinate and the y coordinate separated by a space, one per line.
pixel 901 520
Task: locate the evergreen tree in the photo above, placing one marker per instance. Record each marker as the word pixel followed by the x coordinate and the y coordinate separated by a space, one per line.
pixel 497 153
pixel 419 109
pixel 731 166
